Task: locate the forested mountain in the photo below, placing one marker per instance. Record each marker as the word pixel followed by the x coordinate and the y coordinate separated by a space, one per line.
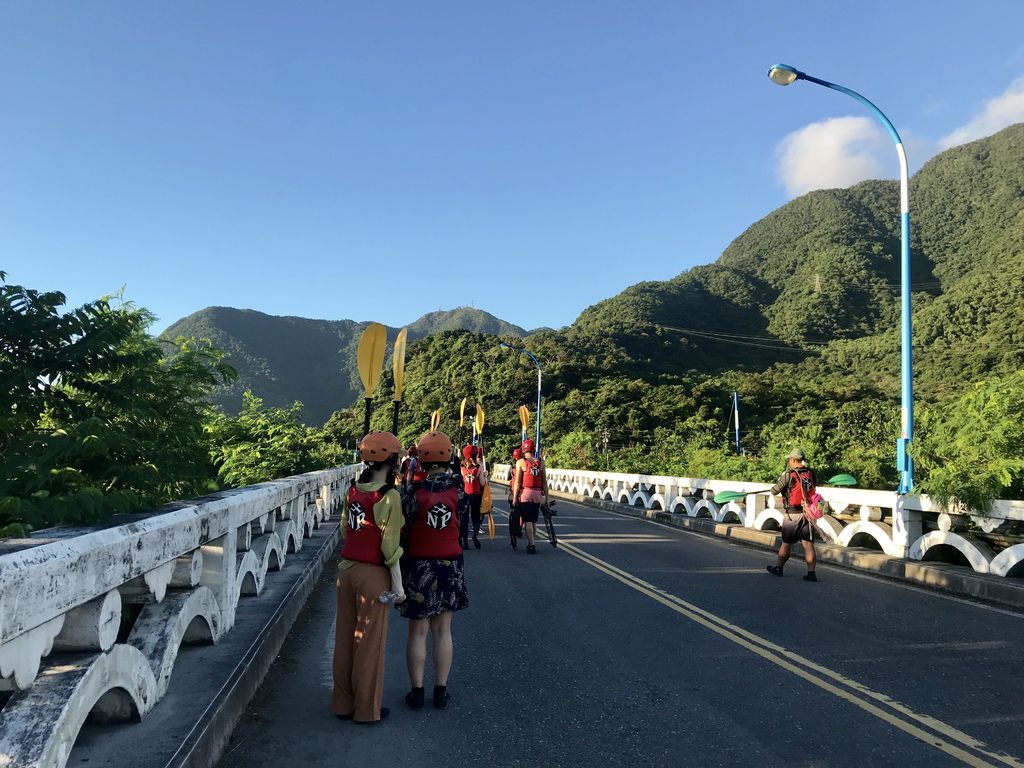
pixel 284 359
pixel 800 315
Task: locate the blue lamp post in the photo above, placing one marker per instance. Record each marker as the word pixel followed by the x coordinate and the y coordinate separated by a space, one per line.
pixel 536 362
pixel 783 74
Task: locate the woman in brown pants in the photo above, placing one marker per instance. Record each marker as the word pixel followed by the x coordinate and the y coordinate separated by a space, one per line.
pixel 369 566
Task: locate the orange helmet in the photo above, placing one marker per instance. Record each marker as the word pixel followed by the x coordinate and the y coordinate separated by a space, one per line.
pixel 517 454
pixel 378 446
pixel 528 446
pixel 435 448
pixel 468 452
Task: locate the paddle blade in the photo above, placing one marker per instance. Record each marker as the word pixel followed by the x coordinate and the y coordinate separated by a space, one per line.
pixel 524 417
pixel 842 480
pixel 398 364
pixel 462 413
pixel 370 358
pixel 724 497
pixel 479 419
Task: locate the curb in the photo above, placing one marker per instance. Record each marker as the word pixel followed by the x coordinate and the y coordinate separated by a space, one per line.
pixel 208 740
pixel 957 580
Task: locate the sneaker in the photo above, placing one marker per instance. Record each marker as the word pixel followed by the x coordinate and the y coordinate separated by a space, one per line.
pixel 774 570
pixel 441 697
pixel 476 542
pixel 531 549
pixel 811 576
pixel 414 698
pixel 384 712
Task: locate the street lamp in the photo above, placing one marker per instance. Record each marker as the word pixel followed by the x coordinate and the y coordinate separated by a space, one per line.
pixel 783 74
pixel 536 362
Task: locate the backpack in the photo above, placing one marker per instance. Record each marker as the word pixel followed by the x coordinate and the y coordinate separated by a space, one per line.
pixel 805 494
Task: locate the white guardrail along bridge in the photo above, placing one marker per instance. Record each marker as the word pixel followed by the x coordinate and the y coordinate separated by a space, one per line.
pixel 90 625
pixel 899 526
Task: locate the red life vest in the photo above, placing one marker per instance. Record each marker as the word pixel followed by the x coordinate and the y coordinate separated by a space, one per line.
pixel 471 480
pixel 363 536
pixel 802 488
pixel 533 474
pixel 434 533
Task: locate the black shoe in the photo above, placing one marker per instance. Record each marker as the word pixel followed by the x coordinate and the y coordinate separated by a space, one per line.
pixel 476 542
pixel 384 712
pixel 414 698
pixel 774 570
pixel 810 576
pixel 344 717
pixel 531 549
pixel 441 697
pixel 463 543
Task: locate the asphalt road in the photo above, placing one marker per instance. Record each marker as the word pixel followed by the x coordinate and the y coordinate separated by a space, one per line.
pixel 636 644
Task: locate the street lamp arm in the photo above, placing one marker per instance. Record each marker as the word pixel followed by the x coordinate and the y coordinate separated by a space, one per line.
pixel 784 74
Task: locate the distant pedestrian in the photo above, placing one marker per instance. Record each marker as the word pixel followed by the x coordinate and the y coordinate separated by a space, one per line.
pixel 433 567
pixel 529 491
pixel 795 486
pixel 370 555
pixel 473 485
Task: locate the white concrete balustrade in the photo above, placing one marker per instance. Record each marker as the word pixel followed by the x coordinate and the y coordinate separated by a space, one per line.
pixel 171 578
pixel 898 525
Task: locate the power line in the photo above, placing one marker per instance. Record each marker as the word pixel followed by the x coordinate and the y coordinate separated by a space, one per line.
pixel 744 340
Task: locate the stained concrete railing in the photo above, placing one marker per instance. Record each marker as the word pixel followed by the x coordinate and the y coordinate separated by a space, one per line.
pixel 901 526
pixel 92 624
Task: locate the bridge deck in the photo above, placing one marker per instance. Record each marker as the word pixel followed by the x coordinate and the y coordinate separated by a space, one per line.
pixel 637 644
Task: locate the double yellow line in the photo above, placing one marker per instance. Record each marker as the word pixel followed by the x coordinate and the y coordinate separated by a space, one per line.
pixel 929 730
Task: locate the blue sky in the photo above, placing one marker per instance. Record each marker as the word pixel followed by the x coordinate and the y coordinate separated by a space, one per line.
pixel 376 161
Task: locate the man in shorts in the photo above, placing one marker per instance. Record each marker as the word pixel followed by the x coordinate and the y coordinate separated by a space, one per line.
pixel 795 485
pixel 529 489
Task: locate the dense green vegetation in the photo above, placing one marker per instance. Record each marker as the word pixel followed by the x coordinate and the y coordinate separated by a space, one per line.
pixel 799 316
pixel 98 417
pixel 284 358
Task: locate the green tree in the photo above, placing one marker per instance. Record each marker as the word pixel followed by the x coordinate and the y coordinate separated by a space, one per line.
pixel 96 418
pixel 972 449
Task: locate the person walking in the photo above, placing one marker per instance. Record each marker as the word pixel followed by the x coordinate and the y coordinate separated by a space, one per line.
pixel 796 485
pixel 529 490
pixel 473 486
pixel 433 569
pixel 370 556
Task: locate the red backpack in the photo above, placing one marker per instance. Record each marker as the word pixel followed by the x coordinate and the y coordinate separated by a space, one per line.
pixel 803 494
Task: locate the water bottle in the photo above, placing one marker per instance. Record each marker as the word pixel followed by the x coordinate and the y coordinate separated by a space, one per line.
pixel 388 597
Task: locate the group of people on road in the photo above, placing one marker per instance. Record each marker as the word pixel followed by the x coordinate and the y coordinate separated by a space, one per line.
pixel 404 533
pixel 405 528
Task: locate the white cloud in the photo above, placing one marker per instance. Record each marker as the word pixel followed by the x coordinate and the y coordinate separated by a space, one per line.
pixel 833 153
pixel 998 113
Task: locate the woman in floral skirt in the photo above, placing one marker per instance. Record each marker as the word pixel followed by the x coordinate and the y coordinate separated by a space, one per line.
pixel 432 569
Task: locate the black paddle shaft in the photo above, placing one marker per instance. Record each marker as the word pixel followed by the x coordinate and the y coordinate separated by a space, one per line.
pixel 366 418
pixel 394 417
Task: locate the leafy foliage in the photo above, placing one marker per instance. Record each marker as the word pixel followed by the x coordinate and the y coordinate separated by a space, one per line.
pixel 96 420
pixel 972 448
pixel 262 443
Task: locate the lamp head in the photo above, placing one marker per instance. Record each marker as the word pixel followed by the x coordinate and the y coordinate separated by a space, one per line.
pixel 783 74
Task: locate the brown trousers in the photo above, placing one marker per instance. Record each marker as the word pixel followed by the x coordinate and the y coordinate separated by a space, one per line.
pixel 361 632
